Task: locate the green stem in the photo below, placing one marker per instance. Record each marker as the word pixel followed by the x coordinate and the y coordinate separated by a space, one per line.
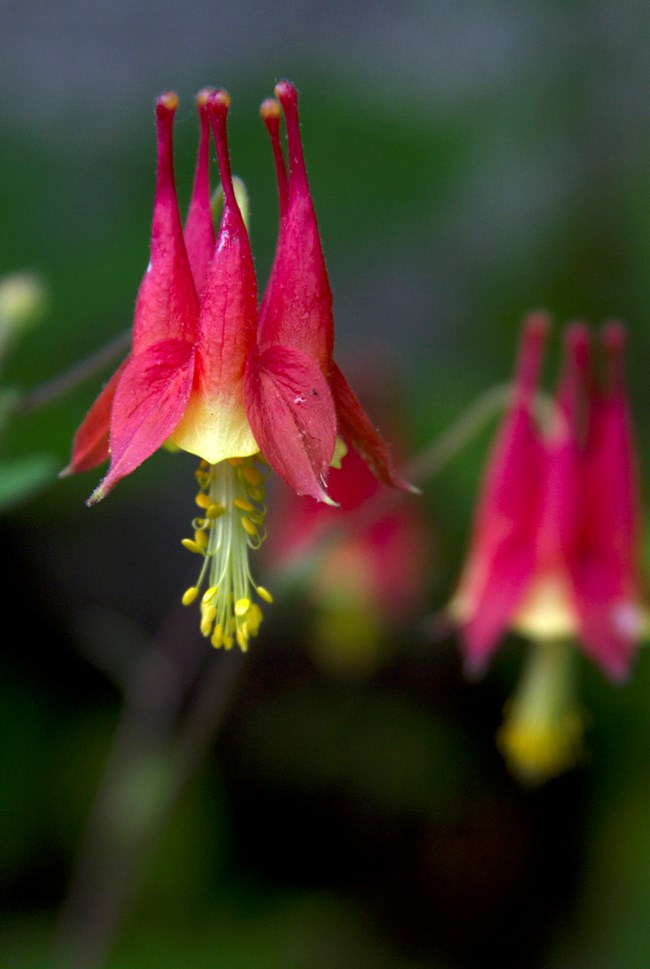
pixel 61 385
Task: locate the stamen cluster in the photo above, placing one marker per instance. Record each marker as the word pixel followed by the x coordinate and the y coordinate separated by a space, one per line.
pixel 231 499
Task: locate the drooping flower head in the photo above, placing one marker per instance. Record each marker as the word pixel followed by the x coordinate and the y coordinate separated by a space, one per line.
pixel 201 375
pixel 555 548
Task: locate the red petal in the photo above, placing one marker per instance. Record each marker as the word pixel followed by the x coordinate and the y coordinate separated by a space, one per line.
pixel 605 570
pixel 149 402
pixel 167 304
pixel 291 413
pixel 228 318
pixel 199 228
pixel 503 572
pixel 296 309
pixel 503 547
pixel 563 493
pixel 358 430
pixel 90 445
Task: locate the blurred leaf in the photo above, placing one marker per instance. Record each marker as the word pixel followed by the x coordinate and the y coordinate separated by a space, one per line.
pixel 22 478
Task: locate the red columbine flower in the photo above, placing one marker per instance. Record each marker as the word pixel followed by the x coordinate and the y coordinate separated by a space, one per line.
pixel 556 539
pixel 196 377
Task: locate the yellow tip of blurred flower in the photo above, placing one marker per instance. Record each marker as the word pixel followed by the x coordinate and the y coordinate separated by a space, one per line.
pixel 543 727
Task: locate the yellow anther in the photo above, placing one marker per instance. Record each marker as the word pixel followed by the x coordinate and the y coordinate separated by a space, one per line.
pixel 252 475
pixel 209 613
pixel 257 494
pixel 201 539
pixel 242 606
pixel 209 594
pixel 214 510
pixel 206 628
pixel 217 636
pixel 190 595
pixel 248 526
pixel 228 642
pixel 191 546
pixel 202 500
pixel 264 593
pixel 243 505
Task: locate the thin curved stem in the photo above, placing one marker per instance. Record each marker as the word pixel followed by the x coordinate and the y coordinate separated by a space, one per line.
pixel 61 385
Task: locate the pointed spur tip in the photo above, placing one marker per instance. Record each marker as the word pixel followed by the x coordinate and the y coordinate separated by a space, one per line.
pixel 613 335
pixel 203 97
pixel 286 93
pixel 270 109
pixel 166 103
pixel 576 334
pixel 537 324
pixel 218 102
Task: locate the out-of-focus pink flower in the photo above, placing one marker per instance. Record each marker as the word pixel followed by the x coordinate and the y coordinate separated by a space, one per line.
pixel 554 553
pixel 555 549
pixel 363 579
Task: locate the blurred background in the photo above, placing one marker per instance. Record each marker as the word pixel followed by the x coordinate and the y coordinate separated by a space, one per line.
pixel 336 798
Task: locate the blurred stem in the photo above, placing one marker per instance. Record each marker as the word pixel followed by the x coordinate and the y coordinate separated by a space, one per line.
pixel 53 389
pixel 155 752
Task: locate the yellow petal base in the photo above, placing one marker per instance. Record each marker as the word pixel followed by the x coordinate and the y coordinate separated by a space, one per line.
pixel 215 430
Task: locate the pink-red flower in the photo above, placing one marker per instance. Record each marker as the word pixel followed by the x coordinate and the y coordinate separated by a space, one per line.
pixel 214 377
pixel 555 547
pixel 362 566
pixel 555 541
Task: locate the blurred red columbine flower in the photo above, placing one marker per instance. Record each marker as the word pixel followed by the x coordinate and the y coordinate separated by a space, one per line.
pixel 361 565
pixel 202 376
pixel 555 546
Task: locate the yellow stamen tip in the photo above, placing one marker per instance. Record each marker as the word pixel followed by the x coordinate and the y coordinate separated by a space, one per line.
pixel 214 511
pixel 190 595
pixel 191 546
pixel 252 475
pixel 242 606
pixel 264 593
pixel 243 505
pixel 248 526
pixel 209 594
pixel 201 539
